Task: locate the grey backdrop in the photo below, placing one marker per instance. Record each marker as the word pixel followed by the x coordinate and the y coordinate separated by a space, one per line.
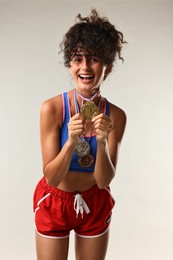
pixel 32 71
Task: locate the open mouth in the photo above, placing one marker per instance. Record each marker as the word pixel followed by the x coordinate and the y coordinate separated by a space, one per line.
pixel 86 77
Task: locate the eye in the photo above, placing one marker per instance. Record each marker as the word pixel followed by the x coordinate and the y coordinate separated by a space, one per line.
pixel 93 59
pixel 76 59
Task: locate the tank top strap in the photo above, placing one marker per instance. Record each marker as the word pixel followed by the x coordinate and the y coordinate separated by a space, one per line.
pixel 66 107
pixel 107 108
pixel 104 106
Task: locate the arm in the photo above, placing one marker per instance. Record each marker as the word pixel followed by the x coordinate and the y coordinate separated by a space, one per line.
pixel 108 144
pixel 55 161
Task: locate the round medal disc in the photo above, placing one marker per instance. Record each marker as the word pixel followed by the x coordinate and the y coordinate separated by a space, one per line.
pixel 86 161
pixel 88 110
pixel 82 148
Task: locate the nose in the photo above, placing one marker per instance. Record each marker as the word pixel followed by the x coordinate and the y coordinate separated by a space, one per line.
pixel 84 64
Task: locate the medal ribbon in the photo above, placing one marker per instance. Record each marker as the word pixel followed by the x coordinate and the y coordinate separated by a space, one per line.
pixel 88 99
pixel 84 98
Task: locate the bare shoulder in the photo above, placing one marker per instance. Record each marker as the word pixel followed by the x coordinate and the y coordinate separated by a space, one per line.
pixel 52 109
pixel 119 119
pixel 117 112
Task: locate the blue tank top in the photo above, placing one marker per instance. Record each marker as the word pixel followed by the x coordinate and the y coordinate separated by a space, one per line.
pixel 74 165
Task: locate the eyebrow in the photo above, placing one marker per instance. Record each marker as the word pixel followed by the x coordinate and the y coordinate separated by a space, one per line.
pixel 79 54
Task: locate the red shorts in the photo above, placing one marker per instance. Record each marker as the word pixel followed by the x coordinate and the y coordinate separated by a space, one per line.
pixel 57 212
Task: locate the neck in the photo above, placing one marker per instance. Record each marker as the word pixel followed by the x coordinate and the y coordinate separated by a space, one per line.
pixel 93 97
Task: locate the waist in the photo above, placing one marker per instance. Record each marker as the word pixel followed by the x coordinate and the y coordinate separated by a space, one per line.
pixel 58 192
pixel 77 181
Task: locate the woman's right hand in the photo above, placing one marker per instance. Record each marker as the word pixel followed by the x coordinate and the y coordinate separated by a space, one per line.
pixel 76 128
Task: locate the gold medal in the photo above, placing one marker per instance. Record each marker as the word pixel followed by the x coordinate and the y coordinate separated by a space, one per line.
pixel 86 161
pixel 88 110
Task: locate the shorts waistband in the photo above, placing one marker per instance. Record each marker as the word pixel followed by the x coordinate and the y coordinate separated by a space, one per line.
pixel 67 195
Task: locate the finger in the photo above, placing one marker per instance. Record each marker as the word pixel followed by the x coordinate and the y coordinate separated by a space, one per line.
pixel 76 122
pixel 104 120
pixel 101 133
pixel 101 116
pixel 96 117
pixel 76 127
pixel 100 126
pixel 77 132
pixel 103 126
pixel 78 116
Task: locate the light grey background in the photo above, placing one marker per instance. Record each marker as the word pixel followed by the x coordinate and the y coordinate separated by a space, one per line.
pixel 32 71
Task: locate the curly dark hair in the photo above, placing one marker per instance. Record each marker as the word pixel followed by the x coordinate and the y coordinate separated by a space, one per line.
pixel 93 34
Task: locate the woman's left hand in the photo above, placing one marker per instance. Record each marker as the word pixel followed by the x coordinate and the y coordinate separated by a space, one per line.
pixel 102 125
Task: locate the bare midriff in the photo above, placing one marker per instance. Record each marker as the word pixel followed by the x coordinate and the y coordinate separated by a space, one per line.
pixel 77 181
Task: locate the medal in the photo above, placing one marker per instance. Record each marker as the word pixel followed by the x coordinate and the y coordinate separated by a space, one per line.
pixel 88 110
pixel 86 161
pixel 82 148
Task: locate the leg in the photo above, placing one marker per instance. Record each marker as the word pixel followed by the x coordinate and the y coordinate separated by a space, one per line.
pixel 91 248
pixel 51 249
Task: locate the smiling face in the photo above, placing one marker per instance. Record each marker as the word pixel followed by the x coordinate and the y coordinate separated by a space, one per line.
pixel 88 72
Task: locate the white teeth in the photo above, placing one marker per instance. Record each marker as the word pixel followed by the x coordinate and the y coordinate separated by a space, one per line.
pixel 86 76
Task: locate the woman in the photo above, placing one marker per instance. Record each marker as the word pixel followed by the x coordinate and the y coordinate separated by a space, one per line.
pixel 80 136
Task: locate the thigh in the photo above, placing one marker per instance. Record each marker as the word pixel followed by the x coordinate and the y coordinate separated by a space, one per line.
pixel 91 248
pixel 51 249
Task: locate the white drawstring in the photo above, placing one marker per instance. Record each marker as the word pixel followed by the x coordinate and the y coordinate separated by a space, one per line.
pixel 80 205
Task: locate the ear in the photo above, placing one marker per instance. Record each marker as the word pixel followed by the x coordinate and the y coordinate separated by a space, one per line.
pixel 108 70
